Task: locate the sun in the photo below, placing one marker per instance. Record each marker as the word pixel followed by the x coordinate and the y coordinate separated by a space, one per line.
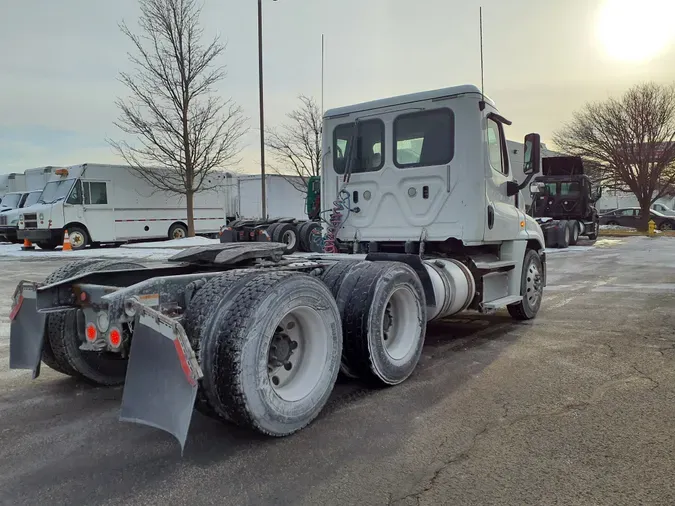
pixel 636 30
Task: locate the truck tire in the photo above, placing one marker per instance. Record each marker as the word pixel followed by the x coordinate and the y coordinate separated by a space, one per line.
pixel 272 356
pixel 574 232
pixel 79 238
pixel 531 288
pixel 54 324
pixel 333 277
pixel 564 233
pixel 100 368
pixel 287 234
pixel 302 236
pixel 212 298
pixel 593 236
pixel 178 231
pixel 384 322
pixel 311 236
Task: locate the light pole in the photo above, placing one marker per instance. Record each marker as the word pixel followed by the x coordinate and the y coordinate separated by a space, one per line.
pixel 262 111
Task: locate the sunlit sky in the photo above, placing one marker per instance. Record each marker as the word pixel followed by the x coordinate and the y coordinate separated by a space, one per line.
pixel 543 59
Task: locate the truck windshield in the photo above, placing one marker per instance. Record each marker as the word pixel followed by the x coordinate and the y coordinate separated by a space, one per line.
pixel 56 190
pixel 32 198
pixel 11 200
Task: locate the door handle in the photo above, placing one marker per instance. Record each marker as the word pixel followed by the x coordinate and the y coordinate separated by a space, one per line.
pixel 491 217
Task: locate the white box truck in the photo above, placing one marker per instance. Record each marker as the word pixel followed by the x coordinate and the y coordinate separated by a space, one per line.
pixel 112 204
pixel 37 178
pixel 10 183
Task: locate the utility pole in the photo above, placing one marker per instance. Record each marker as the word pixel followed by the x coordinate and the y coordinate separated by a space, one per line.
pixel 263 179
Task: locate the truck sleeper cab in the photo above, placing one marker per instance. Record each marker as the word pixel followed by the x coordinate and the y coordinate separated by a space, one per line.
pixel 252 336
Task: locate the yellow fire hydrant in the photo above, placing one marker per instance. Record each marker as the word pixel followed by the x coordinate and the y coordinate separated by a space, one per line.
pixel 652 228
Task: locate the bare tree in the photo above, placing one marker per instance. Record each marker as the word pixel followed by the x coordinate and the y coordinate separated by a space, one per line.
pixel 629 142
pixel 296 146
pixel 184 133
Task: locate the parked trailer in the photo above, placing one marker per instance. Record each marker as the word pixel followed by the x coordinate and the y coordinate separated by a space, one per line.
pixel 249 335
pixel 291 218
pixel 112 204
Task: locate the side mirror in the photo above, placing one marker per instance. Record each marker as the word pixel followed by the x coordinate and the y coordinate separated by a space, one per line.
pixel 512 188
pixel 596 194
pixel 532 159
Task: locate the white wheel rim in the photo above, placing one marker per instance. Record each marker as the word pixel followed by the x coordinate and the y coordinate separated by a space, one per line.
pixel 289 239
pixel 178 233
pixel 533 286
pixel 400 324
pixel 76 239
pixel 298 354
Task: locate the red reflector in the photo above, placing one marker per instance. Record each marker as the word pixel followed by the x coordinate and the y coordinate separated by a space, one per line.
pixel 115 338
pixel 83 296
pixel 91 332
pixel 15 309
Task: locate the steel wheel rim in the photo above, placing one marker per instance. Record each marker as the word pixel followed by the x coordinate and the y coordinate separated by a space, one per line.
pixel 289 239
pixel 178 233
pixel 399 323
pixel 666 226
pixel 567 234
pixel 76 239
pixel 297 354
pixel 576 231
pixel 533 285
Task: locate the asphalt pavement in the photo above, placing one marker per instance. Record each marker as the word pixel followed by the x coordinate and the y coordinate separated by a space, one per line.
pixel 575 408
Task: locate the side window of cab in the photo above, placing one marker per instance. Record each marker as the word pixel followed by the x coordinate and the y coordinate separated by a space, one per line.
pixel 496 144
pixel 75 196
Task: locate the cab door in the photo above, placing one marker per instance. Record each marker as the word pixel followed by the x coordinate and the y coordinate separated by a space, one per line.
pixel 502 218
pixel 97 210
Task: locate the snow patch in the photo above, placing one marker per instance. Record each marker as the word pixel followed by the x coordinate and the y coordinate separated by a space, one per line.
pixel 188 242
pixel 14 250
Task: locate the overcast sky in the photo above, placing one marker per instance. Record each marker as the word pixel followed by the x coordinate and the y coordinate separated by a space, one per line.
pixel 543 60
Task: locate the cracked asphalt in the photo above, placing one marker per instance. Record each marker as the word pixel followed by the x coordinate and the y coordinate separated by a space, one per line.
pixel 575 408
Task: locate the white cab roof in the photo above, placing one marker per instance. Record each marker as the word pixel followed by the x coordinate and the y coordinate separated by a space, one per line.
pixel 404 99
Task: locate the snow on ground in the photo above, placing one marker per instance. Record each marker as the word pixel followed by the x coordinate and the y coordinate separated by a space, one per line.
pixel 617 227
pixel 188 242
pixel 157 254
pixel 159 250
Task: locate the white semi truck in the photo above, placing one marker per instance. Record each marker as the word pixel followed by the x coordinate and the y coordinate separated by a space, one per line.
pixel 99 203
pixel 427 221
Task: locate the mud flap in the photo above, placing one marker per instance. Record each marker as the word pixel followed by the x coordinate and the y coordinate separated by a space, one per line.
pixel 27 329
pixel 162 375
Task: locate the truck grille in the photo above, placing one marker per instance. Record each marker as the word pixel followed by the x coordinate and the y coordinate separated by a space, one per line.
pixel 30 220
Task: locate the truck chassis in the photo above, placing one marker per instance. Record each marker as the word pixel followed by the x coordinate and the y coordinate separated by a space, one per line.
pixel 244 333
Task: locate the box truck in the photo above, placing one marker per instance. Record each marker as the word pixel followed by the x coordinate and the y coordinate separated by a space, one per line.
pixel 112 204
pixel 10 183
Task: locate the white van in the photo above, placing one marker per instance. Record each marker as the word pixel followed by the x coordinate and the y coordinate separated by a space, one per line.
pixel 112 204
pixel 36 179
